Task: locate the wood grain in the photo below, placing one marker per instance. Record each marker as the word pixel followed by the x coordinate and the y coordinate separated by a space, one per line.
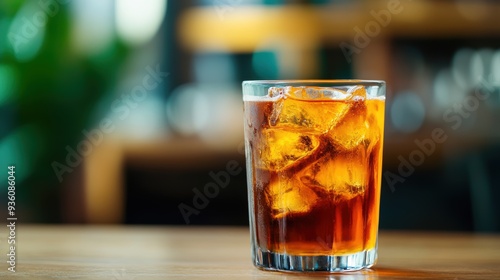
pixel 147 252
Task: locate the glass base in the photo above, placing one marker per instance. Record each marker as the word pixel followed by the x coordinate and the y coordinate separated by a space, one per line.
pixel 341 263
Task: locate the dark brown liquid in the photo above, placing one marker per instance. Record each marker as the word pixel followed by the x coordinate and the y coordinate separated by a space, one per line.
pixel 313 219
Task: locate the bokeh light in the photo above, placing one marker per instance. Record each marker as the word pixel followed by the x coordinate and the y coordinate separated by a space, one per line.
pixel 138 21
pixel 22 148
pixel 27 31
pixel 93 28
pixel 407 112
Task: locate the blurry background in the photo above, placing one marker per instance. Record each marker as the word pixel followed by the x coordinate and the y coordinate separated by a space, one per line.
pixel 122 111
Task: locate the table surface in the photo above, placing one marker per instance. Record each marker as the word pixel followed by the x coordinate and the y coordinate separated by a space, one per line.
pixel 154 252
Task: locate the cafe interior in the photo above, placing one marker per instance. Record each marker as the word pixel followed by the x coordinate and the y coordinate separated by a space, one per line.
pixel 122 111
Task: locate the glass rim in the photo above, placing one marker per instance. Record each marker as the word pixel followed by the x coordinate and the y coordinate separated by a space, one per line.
pixel 260 88
pixel 315 82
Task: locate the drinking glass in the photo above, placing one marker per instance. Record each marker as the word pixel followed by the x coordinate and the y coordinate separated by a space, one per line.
pixel 314 156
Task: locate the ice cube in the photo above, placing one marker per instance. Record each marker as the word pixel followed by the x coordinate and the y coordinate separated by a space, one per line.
pixel 276 92
pixel 344 174
pixel 354 128
pixel 289 196
pixel 283 148
pixel 335 94
pixel 357 93
pixel 317 93
pixel 307 109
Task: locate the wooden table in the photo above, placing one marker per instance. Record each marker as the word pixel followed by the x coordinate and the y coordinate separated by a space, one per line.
pixel 152 252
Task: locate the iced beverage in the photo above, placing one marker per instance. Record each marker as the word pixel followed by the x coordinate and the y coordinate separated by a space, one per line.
pixel 314 155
